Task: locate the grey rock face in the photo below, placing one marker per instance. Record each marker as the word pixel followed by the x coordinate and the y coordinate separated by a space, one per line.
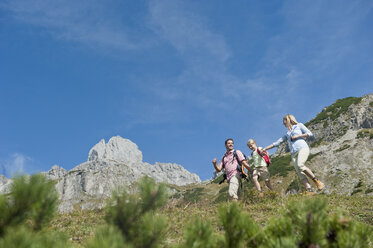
pixel 357 116
pixel 342 160
pixel 118 149
pixel 55 173
pixel 110 166
pixel 4 184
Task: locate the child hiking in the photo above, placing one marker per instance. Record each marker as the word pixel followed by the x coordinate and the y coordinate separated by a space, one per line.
pixel 259 165
pixel 296 135
pixel 230 162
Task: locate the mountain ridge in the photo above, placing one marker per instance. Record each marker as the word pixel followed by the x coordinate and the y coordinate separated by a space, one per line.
pixel 112 165
pixel 341 155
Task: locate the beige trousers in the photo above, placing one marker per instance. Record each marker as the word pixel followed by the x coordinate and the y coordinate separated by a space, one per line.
pixel 234 184
pixel 299 158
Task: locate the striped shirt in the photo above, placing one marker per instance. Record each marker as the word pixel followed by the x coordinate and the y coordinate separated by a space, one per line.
pixel 230 163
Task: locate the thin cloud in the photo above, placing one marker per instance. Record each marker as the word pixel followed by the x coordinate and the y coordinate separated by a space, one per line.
pixel 317 38
pixel 87 22
pixel 317 35
pixel 204 52
pixel 15 164
pixel 186 31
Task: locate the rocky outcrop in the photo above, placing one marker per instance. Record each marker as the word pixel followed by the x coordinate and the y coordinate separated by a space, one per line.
pixel 334 121
pixel 4 184
pixel 340 155
pixel 112 165
pixel 55 173
pixel 117 149
pixel 346 165
pixel 357 116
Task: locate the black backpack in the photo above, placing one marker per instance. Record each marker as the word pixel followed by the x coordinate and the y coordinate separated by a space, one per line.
pixel 240 167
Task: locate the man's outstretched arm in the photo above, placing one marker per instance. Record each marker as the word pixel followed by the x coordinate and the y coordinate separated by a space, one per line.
pixel 219 166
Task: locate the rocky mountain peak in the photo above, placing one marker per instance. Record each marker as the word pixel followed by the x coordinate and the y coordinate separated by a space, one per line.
pixel 117 149
pixel 55 172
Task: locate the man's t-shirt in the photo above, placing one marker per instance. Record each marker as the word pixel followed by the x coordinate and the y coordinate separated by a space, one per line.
pixel 230 163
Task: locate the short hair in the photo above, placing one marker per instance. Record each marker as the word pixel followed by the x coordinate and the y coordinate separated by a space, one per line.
pixel 290 119
pixel 251 141
pixel 226 141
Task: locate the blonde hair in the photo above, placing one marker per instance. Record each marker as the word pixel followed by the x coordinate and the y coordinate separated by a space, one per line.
pixel 251 141
pixel 290 120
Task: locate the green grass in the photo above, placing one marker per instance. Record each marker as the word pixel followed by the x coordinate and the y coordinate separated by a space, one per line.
pixel 364 133
pixel 311 156
pixel 218 179
pixel 357 187
pixel 371 104
pixel 80 226
pixel 369 190
pixel 317 142
pixel 193 195
pixel 344 147
pixel 296 185
pixel 280 166
pixel 333 111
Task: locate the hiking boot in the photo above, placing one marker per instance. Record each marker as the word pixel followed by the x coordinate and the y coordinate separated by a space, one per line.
pixel 260 195
pixel 319 184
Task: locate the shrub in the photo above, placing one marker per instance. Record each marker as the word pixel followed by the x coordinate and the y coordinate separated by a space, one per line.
pixel 199 234
pixel 193 195
pixel 134 217
pixel 303 223
pixel 344 147
pixel 24 213
pixel 280 166
pixel 333 111
pixel 296 185
pixel 317 142
pixel 239 228
pixel 218 179
pixel 365 133
pixel 311 156
pixel 32 199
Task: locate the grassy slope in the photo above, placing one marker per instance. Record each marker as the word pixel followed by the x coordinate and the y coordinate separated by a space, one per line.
pixel 79 226
pixel 204 200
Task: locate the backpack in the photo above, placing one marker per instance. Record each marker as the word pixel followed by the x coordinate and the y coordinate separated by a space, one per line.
pixel 265 156
pixel 240 167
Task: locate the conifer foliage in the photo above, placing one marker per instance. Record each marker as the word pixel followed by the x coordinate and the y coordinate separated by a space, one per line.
pixel 132 218
pixel 302 224
pixel 134 222
pixel 26 210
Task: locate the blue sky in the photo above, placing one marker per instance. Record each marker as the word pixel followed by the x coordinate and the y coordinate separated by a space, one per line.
pixel 175 77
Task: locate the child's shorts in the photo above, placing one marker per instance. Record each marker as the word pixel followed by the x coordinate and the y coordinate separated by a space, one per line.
pixel 262 172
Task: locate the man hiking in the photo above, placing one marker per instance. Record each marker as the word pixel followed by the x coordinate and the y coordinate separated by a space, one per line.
pixel 230 162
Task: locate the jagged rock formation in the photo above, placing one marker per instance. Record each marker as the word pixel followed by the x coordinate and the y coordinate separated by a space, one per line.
pixel 4 184
pixel 110 166
pixel 342 146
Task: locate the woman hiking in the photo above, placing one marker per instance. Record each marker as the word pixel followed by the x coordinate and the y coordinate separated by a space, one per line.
pixel 296 135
